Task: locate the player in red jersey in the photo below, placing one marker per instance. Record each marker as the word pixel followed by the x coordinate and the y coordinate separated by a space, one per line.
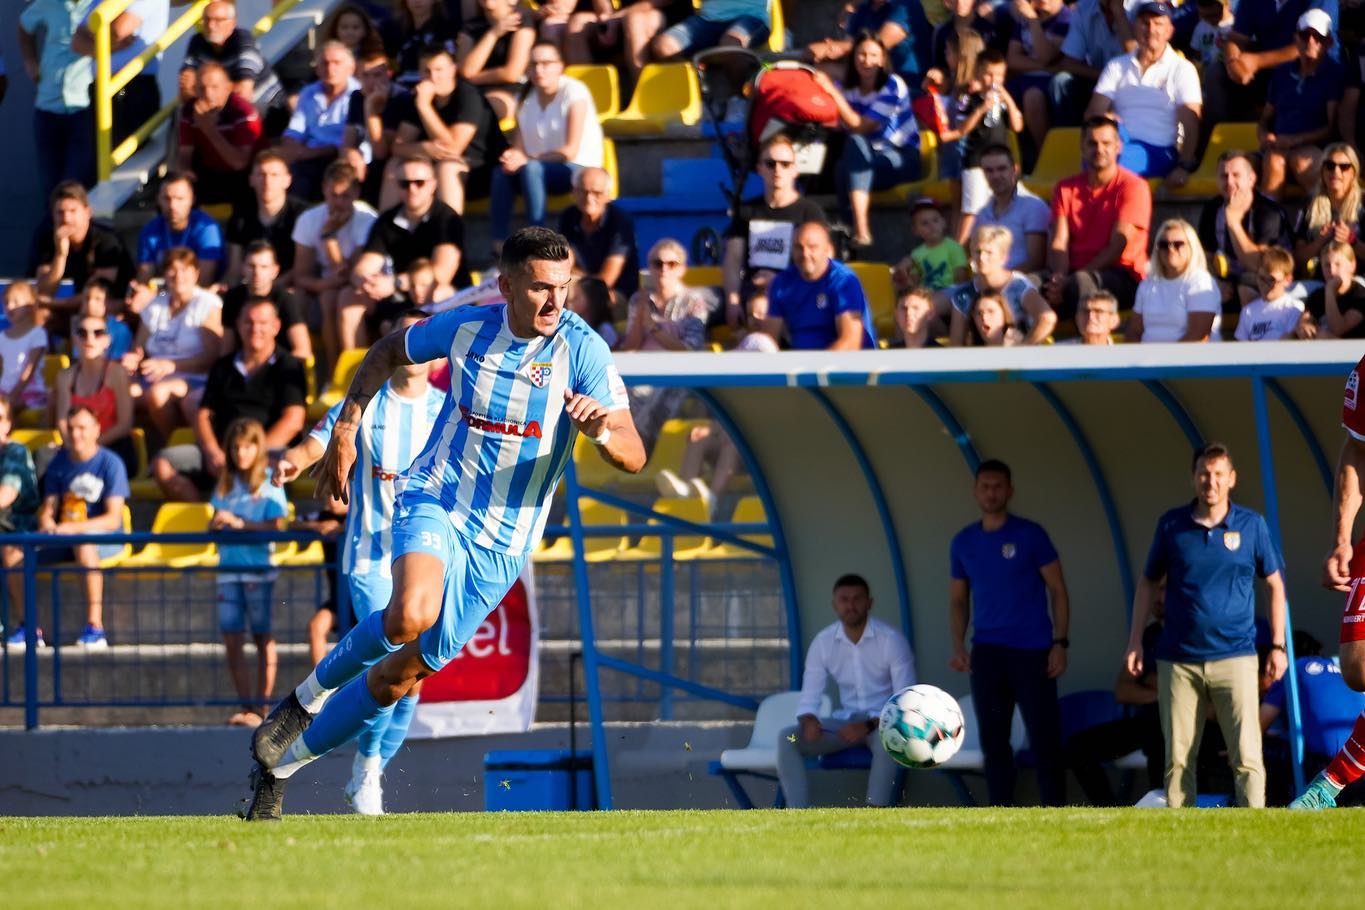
pixel 1344 571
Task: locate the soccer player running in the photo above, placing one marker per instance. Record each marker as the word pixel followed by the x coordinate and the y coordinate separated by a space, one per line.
pixel 1344 571
pixel 395 426
pixel 525 377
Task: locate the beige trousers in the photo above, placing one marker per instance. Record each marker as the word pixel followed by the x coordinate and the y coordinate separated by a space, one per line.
pixel 1185 691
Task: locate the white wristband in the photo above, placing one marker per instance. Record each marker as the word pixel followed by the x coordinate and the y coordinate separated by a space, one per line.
pixel 600 439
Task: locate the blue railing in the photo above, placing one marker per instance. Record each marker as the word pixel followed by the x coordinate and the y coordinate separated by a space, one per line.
pixel 675 626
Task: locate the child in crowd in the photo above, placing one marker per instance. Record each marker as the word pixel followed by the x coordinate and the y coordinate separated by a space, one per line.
pixel 934 109
pixel 1215 21
pixel 23 344
pixel 938 261
pixel 1337 309
pixel 245 500
pixel 95 303
pixel 1273 315
pixel 992 323
pixel 914 319
pixel 982 116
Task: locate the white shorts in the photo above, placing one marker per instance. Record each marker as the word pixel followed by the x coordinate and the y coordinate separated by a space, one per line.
pixel 976 192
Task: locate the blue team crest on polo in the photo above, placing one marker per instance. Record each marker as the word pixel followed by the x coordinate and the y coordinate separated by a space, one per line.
pixel 1007 551
pixel 540 373
pixel 1232 540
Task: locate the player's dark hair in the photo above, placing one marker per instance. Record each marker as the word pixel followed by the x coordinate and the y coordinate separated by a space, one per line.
pixel 1305 645
pixel 852 580
pixel 532 243
pixel 1210 451
pixel 411 312
pixel 995 466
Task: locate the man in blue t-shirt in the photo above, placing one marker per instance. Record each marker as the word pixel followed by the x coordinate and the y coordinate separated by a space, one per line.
pixel 1004 571
pixel 179 223
pixel 817 303
pixel 83 493
pixel 1210 553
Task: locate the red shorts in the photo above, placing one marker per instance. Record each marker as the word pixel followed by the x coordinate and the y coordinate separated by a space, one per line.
pixel 1353 617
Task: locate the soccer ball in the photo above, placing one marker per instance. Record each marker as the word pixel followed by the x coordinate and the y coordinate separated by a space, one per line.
pixel 921 726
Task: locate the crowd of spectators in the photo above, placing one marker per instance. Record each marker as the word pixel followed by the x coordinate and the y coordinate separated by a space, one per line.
pixel 296 221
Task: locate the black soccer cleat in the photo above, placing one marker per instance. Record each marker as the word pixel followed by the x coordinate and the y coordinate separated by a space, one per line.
pixel 278 731
pixel 267 796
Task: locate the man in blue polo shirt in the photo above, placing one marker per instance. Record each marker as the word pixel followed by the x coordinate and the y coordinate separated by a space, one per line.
pixel 1210 553
pixel 1004 570
pixel 179 223
pixel 817 303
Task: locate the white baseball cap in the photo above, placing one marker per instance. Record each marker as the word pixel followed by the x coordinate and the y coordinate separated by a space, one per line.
pixel 1316 20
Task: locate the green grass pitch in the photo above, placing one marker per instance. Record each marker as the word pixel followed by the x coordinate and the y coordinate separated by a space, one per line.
pixel 835 858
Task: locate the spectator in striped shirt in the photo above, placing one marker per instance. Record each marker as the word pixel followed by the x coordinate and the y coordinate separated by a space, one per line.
pixel 883 143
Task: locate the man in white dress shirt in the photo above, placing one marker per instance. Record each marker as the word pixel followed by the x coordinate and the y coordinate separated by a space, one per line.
pixel 868 660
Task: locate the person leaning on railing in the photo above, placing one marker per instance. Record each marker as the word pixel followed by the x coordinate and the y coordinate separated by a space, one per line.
pixel 19 503
pixel 130 34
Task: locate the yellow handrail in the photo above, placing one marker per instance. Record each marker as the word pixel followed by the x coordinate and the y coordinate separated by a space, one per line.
pixel 108 85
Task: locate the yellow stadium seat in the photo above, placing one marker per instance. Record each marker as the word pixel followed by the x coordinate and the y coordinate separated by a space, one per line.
pixel 595 549
pixel 704 276
pixel 748 510
pixel 592 470
pixel 35 439
pixel 1225 138
pixel 177 518
pixel 666 95
pixel 929 183
pixel 669 448
pixel 310 367
pixel 602 80
pixel 220 212
pixel 875 278
pixel 342 374
pixel 1060 157
pixel 685 546
pixel 52 365
pixel 118 558
pixel 181 436
pixel 139 439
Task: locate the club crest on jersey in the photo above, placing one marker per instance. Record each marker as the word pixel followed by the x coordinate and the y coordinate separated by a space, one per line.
pixel 1352 388
pixel 1007 551
pixel 539 373
pixel 1232 540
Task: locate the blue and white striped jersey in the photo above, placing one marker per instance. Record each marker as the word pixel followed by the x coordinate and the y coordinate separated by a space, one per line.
pixel 502 441
pixel 393 430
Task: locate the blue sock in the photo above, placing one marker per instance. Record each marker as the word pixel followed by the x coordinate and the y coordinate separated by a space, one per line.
pixel 397 730
pixel 361 647
pixel 345 715
pixel 368 743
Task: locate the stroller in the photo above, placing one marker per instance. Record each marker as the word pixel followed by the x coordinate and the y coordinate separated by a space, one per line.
pixel 748 99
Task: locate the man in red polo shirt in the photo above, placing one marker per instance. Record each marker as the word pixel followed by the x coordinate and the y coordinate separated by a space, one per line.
pixel 1100 221
pixel 220 133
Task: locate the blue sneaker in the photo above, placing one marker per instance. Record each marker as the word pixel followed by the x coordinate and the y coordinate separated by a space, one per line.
pixel 15 641
pixel 92 638
pixel 1320 795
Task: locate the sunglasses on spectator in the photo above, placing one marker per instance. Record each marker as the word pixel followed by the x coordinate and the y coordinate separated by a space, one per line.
pixel 774 163
pixel 1330 165
pixel 407 184
pixel 1170 244
pixel 91 333
pixel 665 263
pixel 1307 33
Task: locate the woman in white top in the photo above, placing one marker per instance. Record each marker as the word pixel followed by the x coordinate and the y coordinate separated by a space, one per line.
pixel 557 135
pixel 1178 300
pixel 182 328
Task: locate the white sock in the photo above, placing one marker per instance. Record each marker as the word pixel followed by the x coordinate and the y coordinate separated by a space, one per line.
pixel 312 695
pixel 297 756
pixel 366 764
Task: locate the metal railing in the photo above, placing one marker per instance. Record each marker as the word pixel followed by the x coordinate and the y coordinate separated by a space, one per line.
pixel 108 84
pixel 699 638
